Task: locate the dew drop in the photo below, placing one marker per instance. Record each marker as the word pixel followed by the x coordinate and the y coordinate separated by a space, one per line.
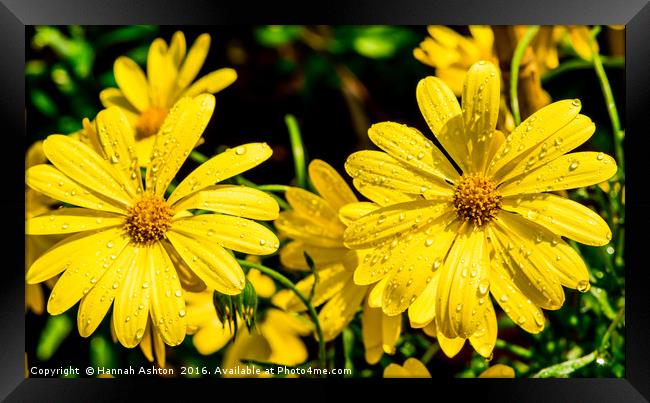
pixel 583 286
pixel 240 150
pixel 181 313
pixel 574 166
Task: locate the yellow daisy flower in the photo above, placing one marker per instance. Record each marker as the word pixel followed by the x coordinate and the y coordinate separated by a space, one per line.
pixel 452 53
pixel 494 227
pixel 146 99
pixel 414 368
pixel 315 226
pixel 133 245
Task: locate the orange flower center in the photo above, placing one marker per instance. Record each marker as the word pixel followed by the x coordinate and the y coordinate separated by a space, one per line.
pixel 150 121
pixel 476 199
pixel 148 220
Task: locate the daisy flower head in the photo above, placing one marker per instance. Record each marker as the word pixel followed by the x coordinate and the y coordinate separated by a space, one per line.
pixel 315 226
pixel 491 227
pixel 146 99
pixel 127 241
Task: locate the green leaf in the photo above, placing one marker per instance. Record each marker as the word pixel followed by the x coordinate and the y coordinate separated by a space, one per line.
pixel 55 331
pixel 126 34
pixel 43 103
pixel 382 42
pixel 273 36
pixel 564 369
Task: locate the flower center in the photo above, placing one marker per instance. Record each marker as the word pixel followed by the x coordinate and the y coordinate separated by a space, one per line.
pixel 148 220
pixel 476 199
pixel 150 121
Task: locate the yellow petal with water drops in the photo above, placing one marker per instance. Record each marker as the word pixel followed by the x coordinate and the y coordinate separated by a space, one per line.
pixel 234 233
pixel 391 327
pixel 380 169
pixel 450 346
pixel 353 211
pixel 561 216
pixel 330 185
pixel 212 82
pixel 194 61
pixel 190 281
pixel 76 250
pixel 371 333
pixel 462 283
pixel 416 368
pixel 143 149
pixel 383 196
pixel 423 309
pixel 115 97
pixel 177 137
pixel 116 137
pixel 161 74
pixel 481 92
pixel 90 259
pixel 305 230
pixel 410 147
pixel 314 208
pixel 498 371
pixel 132 81
pixel 83 165
pixel 95 304
pixel 513 302
pixel 292 255
pixel 339 311
pixel 214 265
pixel 567 172
pixel 515 245
pixel 331 281
pixel 442 113
pixel 376 294
pixel 532 131
pixel 233 200
pixel 485 337
pixel 167 303
pixel 387 222
pixel 225 165
pixel 495 143
pixel 131 308
pixel 212 338
pixel 69 220
pixel 573 134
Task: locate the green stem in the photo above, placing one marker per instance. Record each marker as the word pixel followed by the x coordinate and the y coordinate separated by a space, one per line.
pixel 310 308
pixel 514 70
pixel 513 348
pixel 612 326
pixel 265 188
pixel 579 64
pixel 431 351
pixel 297 149
pixel 274 188
pixel 198 157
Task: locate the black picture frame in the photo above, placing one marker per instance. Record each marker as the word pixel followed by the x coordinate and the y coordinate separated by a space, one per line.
pixel 16 14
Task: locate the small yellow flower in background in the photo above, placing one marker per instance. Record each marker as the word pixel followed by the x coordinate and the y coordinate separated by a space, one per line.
pixel 545 43
pixel 452 53
pixel 492 228
pixel 147 99
pixel 414 368
pixel 315 225
pixel 498 371
pixel 131 244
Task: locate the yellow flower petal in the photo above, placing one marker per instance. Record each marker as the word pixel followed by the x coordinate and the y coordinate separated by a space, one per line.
pixel 305 230
pixel 567 172
pixel 515 244
pixel 69 220
pixel 212 338
pixel 167 303
pixel 410 147
pixel 263 284
pixel 383 196
pixel 234 233
pixel 216 267
pixel 177 48
pixel 454 77
pixel 485 338
pixel 115 97
pixel 132 81
pixel 292 255
pixel 177 137
pixel 483 36
pixel 131 308
pixel 83 259
pixel 95 304
pixel 233 200
pixel 450 346
pixel 533 131
pixel 423 309
pixel 331 281
pixel 146 344
pixel 212 82
pixel 330 185
pixel 431 329
pixel 223 166
pixel 561 216
pixel 353 211
pixel 371 332
pixel 315 209
pixel 580 38
pixel 194 60
pixel 286 347
pixel 83 165
pixel 498 371
pixel 376 294
pixel 190 281
pixel 340 310
pixel 442 112
pixel 395 371
pixel 158 347
pixel 463 282
pixel 161 74
pixel 379 168
pixel 386 222
pixel 416 368
pixel 391 327
pixel 116 137
pixel 559 143
pixel 481 92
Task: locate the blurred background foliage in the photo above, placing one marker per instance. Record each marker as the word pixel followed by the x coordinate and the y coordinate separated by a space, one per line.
pixel 337 81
